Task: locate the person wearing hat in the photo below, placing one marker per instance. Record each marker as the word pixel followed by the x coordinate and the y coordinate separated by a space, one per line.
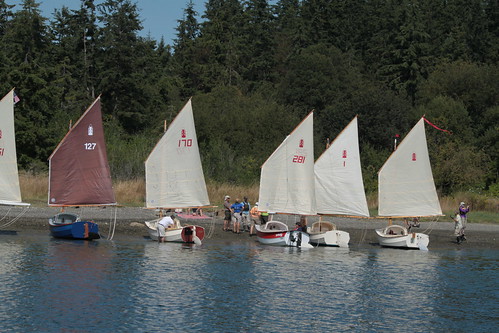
pixel 163 224
pixel 255 217
pixel 228 213
pixel 462 219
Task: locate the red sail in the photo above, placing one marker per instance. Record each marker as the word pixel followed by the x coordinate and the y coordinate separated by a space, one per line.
pixel 79 171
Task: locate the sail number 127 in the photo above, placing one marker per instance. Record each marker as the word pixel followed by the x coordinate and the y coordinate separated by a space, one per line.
pixel 90 145
pixel 298 159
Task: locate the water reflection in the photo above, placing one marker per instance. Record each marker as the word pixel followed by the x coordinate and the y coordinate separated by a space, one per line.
pixel 137 285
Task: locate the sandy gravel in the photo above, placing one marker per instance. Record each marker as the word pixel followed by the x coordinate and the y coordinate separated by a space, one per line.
pixel 130 222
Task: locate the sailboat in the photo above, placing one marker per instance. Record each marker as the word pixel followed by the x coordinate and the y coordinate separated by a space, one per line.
pixel 10 192
pixel 79 176
pixel 287 186
pixel 339 189
pixel 175 179
pixel 407 190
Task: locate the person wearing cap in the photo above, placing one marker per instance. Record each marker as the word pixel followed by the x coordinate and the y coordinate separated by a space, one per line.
pixel 163 224
pixel 255 217
pixel 461 220
pixel 237 208
pixel 228 213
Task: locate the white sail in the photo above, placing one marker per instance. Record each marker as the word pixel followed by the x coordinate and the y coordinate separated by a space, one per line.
pixel 406 186
pixel 10 192
pixel 287 177
pixel 174 174
pixel 339 188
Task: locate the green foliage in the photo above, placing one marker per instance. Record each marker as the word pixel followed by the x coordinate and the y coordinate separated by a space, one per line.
pixel 255 68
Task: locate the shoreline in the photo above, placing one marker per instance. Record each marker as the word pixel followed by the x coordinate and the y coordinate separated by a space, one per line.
pixel 130 222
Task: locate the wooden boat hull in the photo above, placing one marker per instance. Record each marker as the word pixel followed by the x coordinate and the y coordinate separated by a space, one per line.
pixel 276 233
pixel 179 235
pixel 69 226
pixel 86 230
pixel 401 238
pixel 336 238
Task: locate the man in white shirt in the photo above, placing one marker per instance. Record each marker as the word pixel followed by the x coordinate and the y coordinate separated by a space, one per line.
pixel 164 224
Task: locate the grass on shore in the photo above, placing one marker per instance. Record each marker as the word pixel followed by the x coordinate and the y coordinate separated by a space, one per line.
pixel 34 189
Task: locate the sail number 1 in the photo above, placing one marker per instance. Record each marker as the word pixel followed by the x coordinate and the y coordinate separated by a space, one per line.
pixel 90 145
pixel 1 151
pixel 298 159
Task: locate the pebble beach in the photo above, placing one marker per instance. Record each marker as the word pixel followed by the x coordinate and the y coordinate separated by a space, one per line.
pixel 130 223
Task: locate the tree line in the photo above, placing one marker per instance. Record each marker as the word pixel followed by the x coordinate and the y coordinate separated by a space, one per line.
pixel 255 68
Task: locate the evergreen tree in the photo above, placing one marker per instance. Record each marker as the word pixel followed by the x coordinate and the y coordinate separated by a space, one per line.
pixel 121 55
pixel 258 32
pixel 186 52
pixel 29 69
pixel 221 43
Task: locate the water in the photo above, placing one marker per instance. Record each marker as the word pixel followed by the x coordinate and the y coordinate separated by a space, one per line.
pixel 135 285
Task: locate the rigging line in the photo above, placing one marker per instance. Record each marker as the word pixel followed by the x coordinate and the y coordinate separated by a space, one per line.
pixel 212 228
pixel 430 227
pixel 25 209
pixel 363 234
pixel 113 223
pixel 7 213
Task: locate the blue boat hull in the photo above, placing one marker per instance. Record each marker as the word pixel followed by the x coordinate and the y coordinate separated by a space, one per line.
pixel 76 230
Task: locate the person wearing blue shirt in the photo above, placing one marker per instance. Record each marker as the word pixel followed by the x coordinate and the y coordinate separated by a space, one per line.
pixel 237 209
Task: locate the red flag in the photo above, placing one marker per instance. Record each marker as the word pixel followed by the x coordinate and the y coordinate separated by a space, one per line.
pixel 16 98
pixel 428 122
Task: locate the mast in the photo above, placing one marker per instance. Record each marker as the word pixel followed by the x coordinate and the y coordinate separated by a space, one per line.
pixel 79 172
pixel 287 176
pixel 174 173
pixel 406 186
pixel 339 187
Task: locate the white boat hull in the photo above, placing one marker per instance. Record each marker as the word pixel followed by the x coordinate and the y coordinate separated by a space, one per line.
pixel 172 235
pixel 175 234
pixel 400 238
pixel 276 233
pixel 331 238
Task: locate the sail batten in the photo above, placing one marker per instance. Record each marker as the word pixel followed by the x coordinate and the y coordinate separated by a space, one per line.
pixel 287 176
pixel 79 172
pixel 406 185
pixel 339 186
pixel 10 191
pixel 174 173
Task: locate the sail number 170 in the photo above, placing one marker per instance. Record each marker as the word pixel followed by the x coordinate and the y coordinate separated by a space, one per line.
pixel 185 143
pixel 298 159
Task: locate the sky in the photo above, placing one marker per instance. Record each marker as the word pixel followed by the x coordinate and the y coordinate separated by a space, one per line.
pixel 159 17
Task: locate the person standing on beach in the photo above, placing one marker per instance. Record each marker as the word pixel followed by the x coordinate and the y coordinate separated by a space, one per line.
pixel 228 213
pixel 246 221
pixel 255 218
pixel 461 220
pixel 237 209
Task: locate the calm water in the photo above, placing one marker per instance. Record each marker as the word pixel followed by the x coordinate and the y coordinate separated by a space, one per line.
pixel 136 285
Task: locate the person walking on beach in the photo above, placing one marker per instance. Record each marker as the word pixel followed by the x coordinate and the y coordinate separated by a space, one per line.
pixel 245 215
pixel 461 220
pixel 255 218
pixel 237 209
pixel 228 213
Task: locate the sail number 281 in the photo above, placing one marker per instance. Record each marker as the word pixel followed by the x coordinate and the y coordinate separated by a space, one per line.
pixel 90 145
pixel 298 159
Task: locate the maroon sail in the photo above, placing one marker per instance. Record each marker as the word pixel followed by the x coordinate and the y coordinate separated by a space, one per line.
pixel 78 168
